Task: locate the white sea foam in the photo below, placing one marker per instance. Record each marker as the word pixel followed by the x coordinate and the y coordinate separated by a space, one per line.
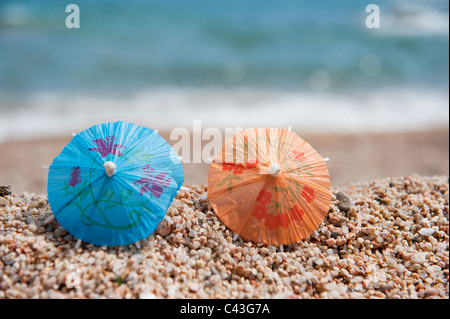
pixel 383 110
pixel 415 19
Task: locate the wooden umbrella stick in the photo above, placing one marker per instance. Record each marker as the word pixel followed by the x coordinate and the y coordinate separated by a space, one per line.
pixel 77 245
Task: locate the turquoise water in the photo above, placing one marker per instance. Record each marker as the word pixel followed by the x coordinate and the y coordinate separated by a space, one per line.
pixel 148 51
pixel 131 45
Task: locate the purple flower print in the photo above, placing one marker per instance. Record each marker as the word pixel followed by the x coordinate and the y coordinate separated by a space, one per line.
pixel 106 146
pixel 152 183
pixel 75 176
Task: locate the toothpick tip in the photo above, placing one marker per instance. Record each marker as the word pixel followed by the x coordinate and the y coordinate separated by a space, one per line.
pixel 77 245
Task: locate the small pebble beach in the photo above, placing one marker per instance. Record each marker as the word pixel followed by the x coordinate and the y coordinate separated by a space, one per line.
pixel 383 239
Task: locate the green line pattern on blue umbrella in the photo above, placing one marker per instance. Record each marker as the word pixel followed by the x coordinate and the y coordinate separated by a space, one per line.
pixel 113 183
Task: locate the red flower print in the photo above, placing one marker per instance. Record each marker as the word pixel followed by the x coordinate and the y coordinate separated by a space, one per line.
pixel 260 212
pixel 308 194
pixel 300 156
pixel 296 213
pixel 251 165
pixel 227 167
pixel 236 168
pixel 283 220
pixel 271 222
pixel 264 197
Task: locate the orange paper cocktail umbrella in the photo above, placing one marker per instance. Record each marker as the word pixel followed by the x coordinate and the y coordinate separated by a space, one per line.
pixel 269 186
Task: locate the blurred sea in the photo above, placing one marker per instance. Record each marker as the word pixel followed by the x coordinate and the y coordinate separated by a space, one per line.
pixel 309 64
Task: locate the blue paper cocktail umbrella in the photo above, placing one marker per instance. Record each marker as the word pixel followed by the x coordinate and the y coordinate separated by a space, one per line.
pixel 113 183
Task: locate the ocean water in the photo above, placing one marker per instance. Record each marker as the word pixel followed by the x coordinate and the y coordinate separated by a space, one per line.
pixel 312 65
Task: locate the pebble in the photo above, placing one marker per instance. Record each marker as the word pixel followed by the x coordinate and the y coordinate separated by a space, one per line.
pixel 147 295
pixel 345 202
pixel 193 286
pixel 32 227
pixel 431 292
pixel 164 228
pixel 373 251
pixel 5 190
pixel 419 257
pixel 215 279
pixel 426 232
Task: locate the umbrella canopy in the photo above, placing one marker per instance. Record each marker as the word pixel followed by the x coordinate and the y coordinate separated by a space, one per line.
pixel 113 183
pixel 269 186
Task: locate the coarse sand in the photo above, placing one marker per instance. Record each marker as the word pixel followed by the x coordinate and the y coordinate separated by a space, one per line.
pixel 391 243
